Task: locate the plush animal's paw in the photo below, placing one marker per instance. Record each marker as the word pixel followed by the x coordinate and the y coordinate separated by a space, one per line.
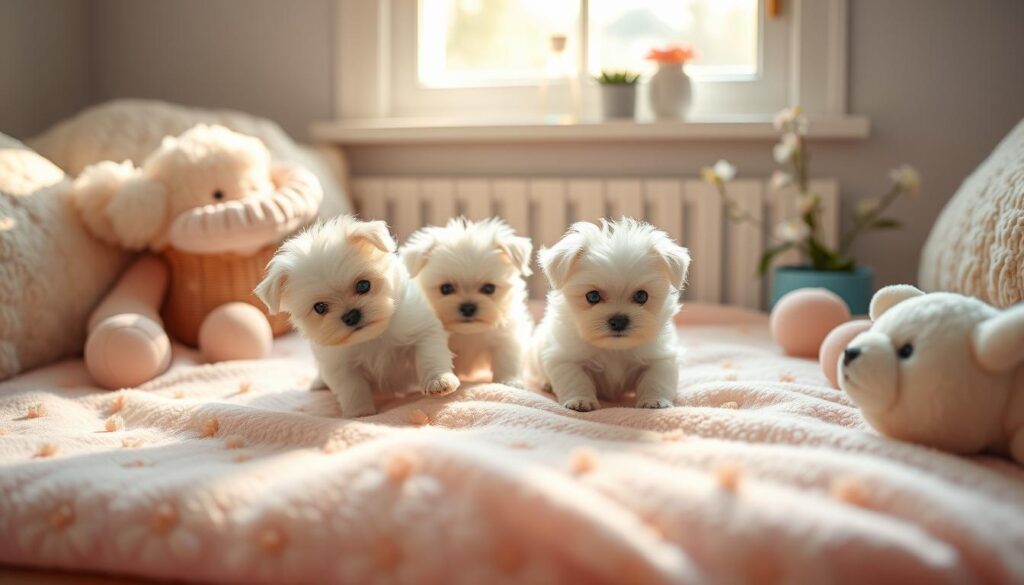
pixel 653 403
pixel 582 404
pixel 440 385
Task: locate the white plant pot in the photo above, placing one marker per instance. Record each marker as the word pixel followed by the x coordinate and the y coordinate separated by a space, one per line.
pixel 618 101
pixel 670 92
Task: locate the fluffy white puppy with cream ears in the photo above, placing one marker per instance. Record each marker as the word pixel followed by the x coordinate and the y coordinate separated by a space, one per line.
pixel 608 325
pixel 370 327
pixel 473 275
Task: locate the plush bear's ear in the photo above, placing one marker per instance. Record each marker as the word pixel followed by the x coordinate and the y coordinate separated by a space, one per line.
pixel 93 190
pixel 889 296
pixel 375 233
pixel 519 250
pixel 677 258
pixel 999 341
pixel 417 249
pixel 137 211
pixel 558 260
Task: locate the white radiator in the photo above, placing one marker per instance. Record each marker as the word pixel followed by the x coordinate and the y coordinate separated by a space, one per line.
pixel 725 255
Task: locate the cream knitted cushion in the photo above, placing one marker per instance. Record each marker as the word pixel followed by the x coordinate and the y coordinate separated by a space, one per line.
pixel 52 272
pixel 977 245
pixel 131 129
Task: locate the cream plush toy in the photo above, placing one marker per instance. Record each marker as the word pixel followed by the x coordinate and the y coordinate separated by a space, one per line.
pixel 213 209
pixel 940 369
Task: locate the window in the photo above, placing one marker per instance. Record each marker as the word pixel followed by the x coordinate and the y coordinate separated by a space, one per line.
pixel 620 34
pixel 488 59
pixel 489 42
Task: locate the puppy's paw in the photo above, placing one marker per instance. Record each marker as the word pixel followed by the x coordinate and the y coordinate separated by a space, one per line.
pixel 440 385
pixel 653 403
pixel 582 404
pixel 514 382
pixel 318 384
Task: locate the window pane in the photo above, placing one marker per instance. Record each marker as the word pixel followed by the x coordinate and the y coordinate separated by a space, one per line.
pixel 725 33
pixel 476 42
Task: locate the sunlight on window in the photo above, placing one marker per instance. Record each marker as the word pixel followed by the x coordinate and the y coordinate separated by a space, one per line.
pixel 725 33
pixel 481 42
pixel 494 42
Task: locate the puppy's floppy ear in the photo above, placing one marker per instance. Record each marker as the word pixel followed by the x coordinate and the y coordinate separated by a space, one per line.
pixel 677 260
pixel 999 342
pixel 889 296
pixel 558 260
pixel 270 289
pixel 416 250
pixel 519 250
pixel 375 233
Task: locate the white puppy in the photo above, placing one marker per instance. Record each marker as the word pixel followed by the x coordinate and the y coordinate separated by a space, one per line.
pixel 472 273
pixel 608 325
pixel 370 327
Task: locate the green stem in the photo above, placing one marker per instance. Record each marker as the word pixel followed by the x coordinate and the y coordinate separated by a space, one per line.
pixel 862 223
pixel 730 205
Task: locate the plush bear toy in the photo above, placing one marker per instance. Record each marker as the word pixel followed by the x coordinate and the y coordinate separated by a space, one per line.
pixel 940 369
pixel 212 209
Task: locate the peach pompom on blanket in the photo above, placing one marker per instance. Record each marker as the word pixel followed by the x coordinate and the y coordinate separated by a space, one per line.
pixel 236 473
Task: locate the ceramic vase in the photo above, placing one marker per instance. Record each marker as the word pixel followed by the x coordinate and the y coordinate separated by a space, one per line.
pixel 671 92
pixel 618 101
pixel 853 286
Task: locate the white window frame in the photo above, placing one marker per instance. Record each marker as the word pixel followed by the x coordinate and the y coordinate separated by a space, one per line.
pixel 804 61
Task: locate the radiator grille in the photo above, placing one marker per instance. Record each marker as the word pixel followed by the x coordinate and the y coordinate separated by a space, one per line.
pixel 725 254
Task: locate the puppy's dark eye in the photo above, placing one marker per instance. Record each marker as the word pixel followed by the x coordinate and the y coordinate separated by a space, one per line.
pixel 487 289
pixel 320 308
pixel 593 297
pixel 218 194
pixel 640 297
pixel 906 350
pixel 447 289
pixel 363 287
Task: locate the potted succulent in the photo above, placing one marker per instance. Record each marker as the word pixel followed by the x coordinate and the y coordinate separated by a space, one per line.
pixel 618 93
pixel 822 266
pixel 670 90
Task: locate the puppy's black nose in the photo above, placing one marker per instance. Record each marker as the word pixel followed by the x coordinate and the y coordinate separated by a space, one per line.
pixel 352 318
pixel 850 354
pixel 618 323
pixel 467 309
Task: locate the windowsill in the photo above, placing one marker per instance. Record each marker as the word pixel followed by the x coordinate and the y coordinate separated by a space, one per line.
pixel 435 130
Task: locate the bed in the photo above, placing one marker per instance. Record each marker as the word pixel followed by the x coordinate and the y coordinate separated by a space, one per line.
pixel 236 473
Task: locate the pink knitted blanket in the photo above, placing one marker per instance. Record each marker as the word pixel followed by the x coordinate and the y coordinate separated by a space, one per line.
pixel 236 473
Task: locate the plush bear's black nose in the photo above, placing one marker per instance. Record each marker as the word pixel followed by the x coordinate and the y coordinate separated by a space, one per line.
pixel 352 318
pixel 850 354
pixel 618 323
pixel 467 309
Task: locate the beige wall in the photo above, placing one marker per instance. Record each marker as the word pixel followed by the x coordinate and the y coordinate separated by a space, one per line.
pixel 940 80
pixel 44 62
pixel 268 57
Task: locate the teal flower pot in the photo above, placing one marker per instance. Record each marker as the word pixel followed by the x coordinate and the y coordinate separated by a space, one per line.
pixel 854 286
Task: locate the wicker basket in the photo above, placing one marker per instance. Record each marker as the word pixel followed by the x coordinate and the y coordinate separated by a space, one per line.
pixel 200 283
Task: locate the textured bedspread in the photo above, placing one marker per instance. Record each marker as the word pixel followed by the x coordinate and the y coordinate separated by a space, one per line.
pixel 235 473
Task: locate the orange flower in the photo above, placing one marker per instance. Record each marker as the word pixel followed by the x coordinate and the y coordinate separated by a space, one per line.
pixel 673 54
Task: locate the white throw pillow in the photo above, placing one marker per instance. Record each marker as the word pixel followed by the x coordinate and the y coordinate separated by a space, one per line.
pixel 52 272
pixel 976 246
